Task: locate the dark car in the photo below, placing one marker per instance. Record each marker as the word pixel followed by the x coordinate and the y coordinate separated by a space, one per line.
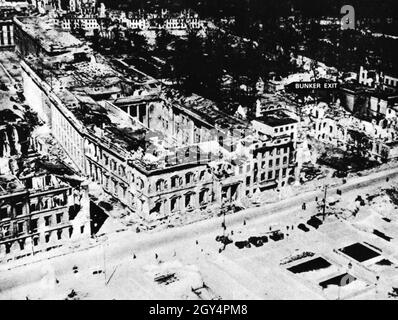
pixel 340 174
pixel 256 241
pixel 303 227
pixel 264 239
pixel 277 235
pixel 242 244
pixel 224 240
pixel 314 222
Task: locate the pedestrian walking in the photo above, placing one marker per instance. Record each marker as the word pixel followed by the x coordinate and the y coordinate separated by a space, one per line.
pixel 303 206
pixel 197 242
pixel 156 256
pixel 134 256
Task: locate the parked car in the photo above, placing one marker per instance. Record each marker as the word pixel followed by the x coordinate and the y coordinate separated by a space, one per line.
pixel 256 241
pixel 277 235
pixel 264 239
pixel 242 244
pixel 223 239
pixel 303 227
pixel 314 222
pixel 340 174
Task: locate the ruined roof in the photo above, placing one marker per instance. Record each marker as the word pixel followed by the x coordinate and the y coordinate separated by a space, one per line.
pixel 10 184
pixel 276 118
pixel 40 166
pixel 51 37
pixel 391 96
pixel 204 109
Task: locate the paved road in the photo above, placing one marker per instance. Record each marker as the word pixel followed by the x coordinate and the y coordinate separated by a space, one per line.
pixel 120 246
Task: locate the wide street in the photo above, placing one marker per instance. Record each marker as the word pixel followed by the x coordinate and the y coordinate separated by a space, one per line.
pixel 118 265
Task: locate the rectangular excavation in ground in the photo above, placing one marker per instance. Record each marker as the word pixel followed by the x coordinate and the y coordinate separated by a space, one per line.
pixel 314 269
pixel 359 252
pixel 340 280
pixel 311 265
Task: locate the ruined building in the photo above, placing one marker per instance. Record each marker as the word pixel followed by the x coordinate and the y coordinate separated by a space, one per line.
pixel 158 152
pixel 43 203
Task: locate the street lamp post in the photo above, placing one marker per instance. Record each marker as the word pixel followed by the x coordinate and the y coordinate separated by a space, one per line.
pixel 377 286
pixel 324 202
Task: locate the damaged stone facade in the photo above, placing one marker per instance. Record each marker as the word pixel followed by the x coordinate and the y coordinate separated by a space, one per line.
pixel 43 204
pixel 339 128
pixel 38 212
pixel 160 153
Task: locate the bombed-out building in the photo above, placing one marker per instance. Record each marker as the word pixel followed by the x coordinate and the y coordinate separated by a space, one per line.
pixel 43 202
pixel 335 126
pixel 160 153
pixel 39 211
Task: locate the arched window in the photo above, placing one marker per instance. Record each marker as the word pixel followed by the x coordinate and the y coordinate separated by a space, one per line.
pixel 189 199
pixel 189 178
pixel 203 196
pixel 140 183
pixel 122 171
pixel 175 181
pixel 221 140
pixel 159 185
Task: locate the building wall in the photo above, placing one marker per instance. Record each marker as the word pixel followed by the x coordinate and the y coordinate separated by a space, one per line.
pixel 336 133
pixel 35 97
pixel 116 176
pixel 24 44
pixel 40 98
pixel 69 137
pixel 182 191
pixel 88 24
pixel 378 107
pixel 154 194
pixel 390 81
pixel 273 166
pixel 6 35
pixel 386 80
pixel 41 219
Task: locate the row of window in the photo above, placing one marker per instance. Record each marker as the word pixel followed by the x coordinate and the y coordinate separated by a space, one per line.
pixel 277 162
pixel 59 218
pixel 285 128
pixel 47 236
pixel 25 226
pixel 6 211
pixel 97 175
pixel 177 181
pixel 189 200
pixel 267 176
pixel 276 151
pixel 113 167
pixel 69 137
pixel 48 203
pixel 390 82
